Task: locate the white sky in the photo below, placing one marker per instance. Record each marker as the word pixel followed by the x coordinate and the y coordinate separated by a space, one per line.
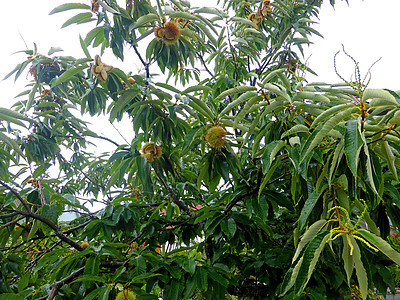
pixel 368 29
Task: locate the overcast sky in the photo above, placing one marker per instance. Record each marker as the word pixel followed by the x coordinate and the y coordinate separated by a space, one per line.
pixel 368 29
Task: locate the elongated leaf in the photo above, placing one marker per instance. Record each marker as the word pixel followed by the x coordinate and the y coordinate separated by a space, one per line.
pixel 90 278
pixel 244 21
pixel 206 111
pixel 273 74
pixel 337 156
pixel 13 116
pixel 310 258
pixel 390 159
pixel 381 244
pixel 84 48
pixel 295 129
pixel 308 206
pixel 197 88
pixel 312 96
pixel 69 74
pixel 13 144
pixel 245 96
pixel 270 152
pixel 352 145
pixel 360 270
pixel 395 95
pixel 379 94
pixel 240 116
pixel 269 174
pixel 308 235
pixel 190 287
pixel 31 96
pixel 235 90
pixel 107 7
pixel 369 169
pixel 122 101
pixel 348 259
pixel 68 6
pixel 326 128
pixel 78 19
pixel 330 112
pixel 143 20
pixel 277 90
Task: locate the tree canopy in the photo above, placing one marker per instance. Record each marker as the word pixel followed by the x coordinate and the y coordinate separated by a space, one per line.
pixel 242 180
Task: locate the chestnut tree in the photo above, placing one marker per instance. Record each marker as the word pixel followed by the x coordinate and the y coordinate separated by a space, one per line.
pixel 240 180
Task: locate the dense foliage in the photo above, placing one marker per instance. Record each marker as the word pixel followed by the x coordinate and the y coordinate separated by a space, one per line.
pixel 242 180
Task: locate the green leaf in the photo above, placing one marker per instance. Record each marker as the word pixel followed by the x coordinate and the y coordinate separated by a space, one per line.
pixel 308 206
pixel 84 48
pixel 189 138
pixel 69 74
pixel 31 97
pixel 270 152
pixel 92 266
pixel 125 98
pixel 145 19
pixel 379 94
pixel 326 128
pixel 360 270
pixel 294 130
pixel 348 259
pixel 308 235
pixel 79 19
pixel 381 244
pixel 90 278
pixel 14 117
pixel 68 6
pixel 310 259
pixel 190 287
pixel 369 169
pixel 10 142
pixel 245 110
pixel 243 21
pixel 189 265
pixel 234 91
pixel 330 112
pixel 390 159
pixel 245 96
pixel 54 50
pixel 352 145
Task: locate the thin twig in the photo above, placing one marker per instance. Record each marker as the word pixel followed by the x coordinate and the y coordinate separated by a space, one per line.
pixel 204 64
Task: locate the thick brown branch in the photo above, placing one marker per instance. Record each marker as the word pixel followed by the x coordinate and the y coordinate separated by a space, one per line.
pixel 175 198
pixel 53 226
pixel 16 195
pixel 10 215
pixel 68 231
pixel 253 191
pixel 11 222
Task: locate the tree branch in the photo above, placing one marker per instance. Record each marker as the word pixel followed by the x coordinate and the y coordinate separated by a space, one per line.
pixel 204 64
pixel 11 222
pixel 53 226
pixel 145 64
pixel 16 195
pixel 57 285
pixel 253 191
